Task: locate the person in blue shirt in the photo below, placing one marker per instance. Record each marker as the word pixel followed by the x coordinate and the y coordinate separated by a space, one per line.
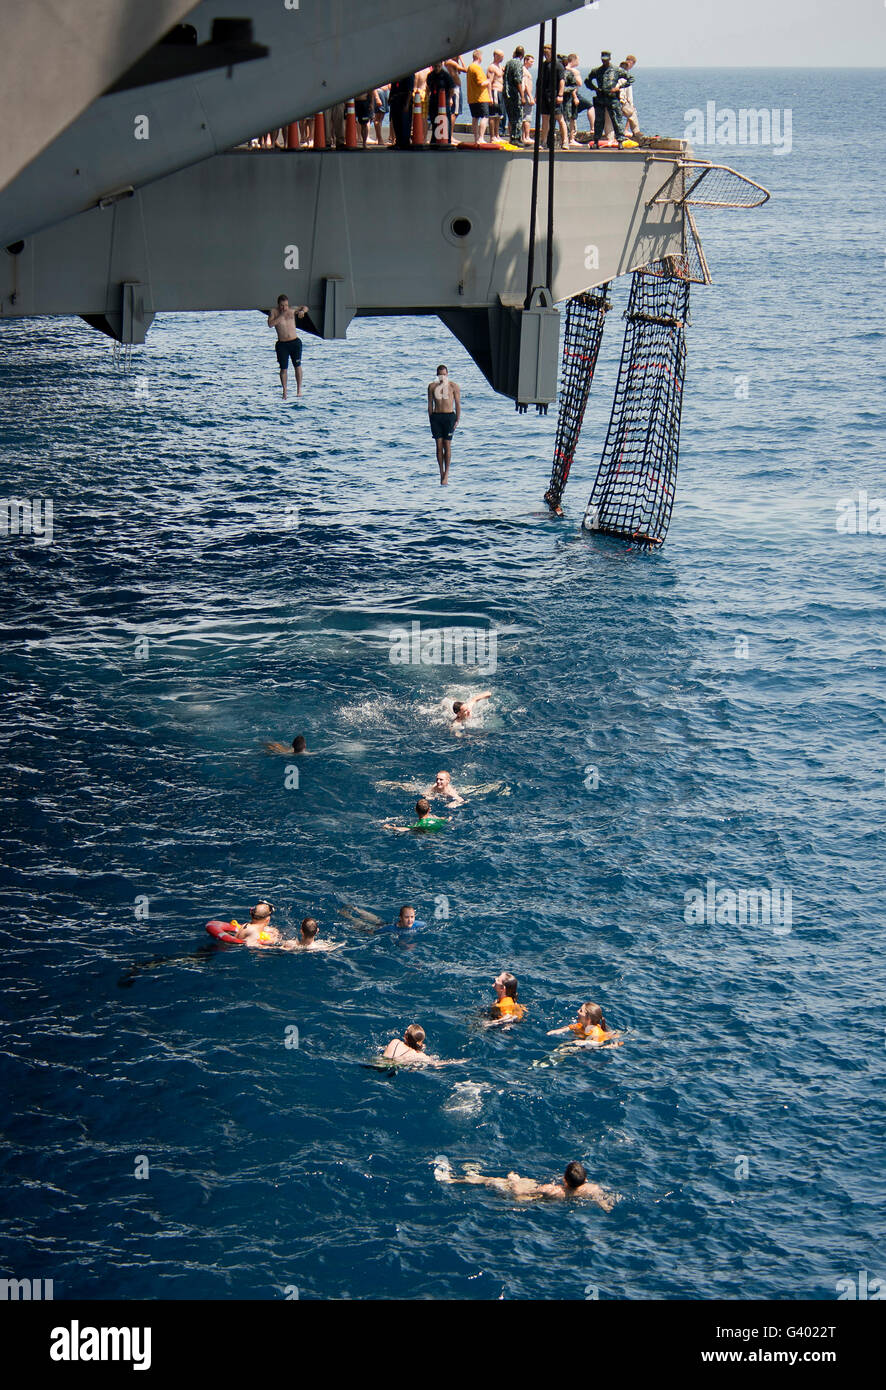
pixel 406 919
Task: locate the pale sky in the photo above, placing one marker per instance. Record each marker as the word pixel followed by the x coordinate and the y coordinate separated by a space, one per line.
pixel 725 33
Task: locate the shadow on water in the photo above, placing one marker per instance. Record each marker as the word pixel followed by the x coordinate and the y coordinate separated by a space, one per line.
pixel 202 955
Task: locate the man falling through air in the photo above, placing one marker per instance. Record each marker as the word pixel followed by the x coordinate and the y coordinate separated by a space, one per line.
pixel 444 413
pixel 288 344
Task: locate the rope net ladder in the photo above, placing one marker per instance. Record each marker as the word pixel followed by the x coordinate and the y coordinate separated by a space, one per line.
pixel 585 317
pixel 633 493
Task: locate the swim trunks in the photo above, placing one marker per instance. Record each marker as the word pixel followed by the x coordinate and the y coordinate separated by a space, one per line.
pixel 288 351
pixel 361 110
pixel 443 424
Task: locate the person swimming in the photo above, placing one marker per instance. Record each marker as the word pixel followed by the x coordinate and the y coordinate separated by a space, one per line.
pixel 506 1009
pixel 410 1051
pixel 589 1025
pixel 424 822
pixel 299 745
pixel 443 788
pixel 258 930
pixel 410 1048
pixel 406 919
pixel 259 933
pixel 574 1183
pixel 464 709
pixel 308 932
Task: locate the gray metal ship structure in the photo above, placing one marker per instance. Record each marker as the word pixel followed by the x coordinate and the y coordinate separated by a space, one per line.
pixel 131 188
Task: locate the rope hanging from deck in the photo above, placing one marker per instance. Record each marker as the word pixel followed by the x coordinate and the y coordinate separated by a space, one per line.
pixel 585 316
pixel 633 493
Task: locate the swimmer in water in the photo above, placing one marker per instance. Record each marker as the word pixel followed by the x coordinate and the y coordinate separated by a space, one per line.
pixel 463 709
pixel 574 1183
pixel 444 414
pixel 307 938
pixel 425 821
pixel 443 788
pixel 410 1050
pixel 299 745
pixel 590 1025
pixel 258 931
pixel 406 920
pixel 506 1008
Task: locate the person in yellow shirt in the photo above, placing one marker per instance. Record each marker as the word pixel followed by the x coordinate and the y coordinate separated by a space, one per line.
pixel 479 97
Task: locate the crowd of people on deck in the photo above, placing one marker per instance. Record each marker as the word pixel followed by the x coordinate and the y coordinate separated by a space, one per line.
pixel 506 99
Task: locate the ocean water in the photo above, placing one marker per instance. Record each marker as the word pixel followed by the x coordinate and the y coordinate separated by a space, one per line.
pixel 226 570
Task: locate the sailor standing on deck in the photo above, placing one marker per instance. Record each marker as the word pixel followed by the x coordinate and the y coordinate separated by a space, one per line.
pixel 455 67
pixel 553 73
pixel 512 87
pixel 441 85
pixel 581 99
pixel 604 82
pixel 626 96
pixel 495 73
pixel 401 110
pixel 479 98
pixel 527 98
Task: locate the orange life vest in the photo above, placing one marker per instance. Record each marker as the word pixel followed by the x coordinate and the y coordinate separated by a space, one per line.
pixel 509 1006
pixel 593 1031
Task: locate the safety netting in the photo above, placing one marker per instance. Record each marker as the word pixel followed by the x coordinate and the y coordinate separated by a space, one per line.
pixel 697 183
pixel 633 493
pixel 585 317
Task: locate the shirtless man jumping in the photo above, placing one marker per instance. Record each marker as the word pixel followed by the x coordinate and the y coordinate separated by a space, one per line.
pixel 288 344
pixel 444 413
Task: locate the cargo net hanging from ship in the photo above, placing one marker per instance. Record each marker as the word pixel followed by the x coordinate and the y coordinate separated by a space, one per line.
pixel 585 316
pixel 633 493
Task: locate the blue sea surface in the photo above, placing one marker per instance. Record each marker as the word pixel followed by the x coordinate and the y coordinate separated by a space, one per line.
pixel 226 569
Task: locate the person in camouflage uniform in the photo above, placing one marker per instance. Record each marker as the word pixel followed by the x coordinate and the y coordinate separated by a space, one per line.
pixel 604 82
